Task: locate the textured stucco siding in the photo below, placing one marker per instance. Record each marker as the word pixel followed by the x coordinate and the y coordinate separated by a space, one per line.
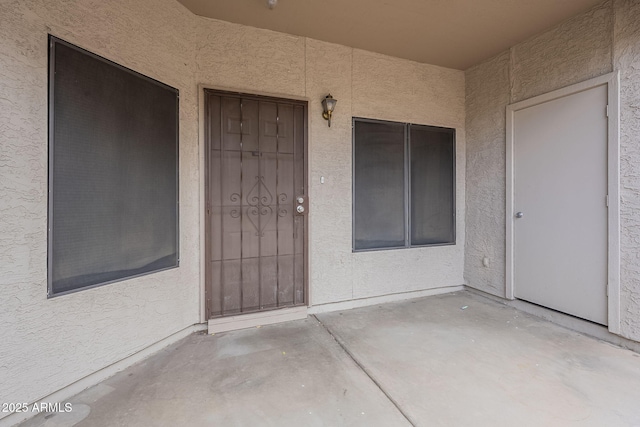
pixel 604 39
pixel 627 60
pixel 331 263
pixel 249 59
pixel 284 65
pixel 576 50
pixel 401 90
pixel 487 95
pixel 48 344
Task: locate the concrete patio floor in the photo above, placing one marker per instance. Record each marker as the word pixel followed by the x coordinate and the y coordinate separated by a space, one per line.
pixel 449 360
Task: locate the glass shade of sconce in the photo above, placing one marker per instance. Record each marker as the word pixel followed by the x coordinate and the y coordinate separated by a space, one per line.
pixel 328 104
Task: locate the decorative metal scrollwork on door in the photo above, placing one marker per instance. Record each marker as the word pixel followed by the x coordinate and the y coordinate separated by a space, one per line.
pixel 282 198
pixel 259 211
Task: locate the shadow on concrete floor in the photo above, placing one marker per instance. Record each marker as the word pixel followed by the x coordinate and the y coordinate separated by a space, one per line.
pixel 448 360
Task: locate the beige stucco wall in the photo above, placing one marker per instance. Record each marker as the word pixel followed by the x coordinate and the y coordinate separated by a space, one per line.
pixel 487 94
pixel 626 58
pixel 366 85
pixel 50 343
pixel 47 344
pixel 602 40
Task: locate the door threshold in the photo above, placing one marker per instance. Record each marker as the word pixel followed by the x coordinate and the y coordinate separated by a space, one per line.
pixel 244 321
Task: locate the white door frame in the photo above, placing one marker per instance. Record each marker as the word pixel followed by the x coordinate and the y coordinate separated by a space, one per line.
pixel 612 81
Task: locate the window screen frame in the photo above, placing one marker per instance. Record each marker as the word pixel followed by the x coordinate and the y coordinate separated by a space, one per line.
pixel 51 67
pixel 407 184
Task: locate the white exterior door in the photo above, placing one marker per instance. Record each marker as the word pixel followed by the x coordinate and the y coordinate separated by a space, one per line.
pixel 560 235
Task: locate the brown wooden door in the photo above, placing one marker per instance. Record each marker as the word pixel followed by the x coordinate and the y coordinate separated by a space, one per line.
pixel 255 185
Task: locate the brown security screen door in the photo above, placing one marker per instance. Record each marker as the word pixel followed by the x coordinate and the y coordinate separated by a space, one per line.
pixel 255 190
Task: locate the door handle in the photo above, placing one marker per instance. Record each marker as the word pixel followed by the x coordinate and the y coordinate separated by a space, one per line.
pixel 519 214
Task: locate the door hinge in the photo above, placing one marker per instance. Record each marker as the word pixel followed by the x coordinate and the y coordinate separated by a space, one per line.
pixel 607 111
pixel 606 200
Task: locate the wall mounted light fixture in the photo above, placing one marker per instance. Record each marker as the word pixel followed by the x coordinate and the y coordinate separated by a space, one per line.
pixel 328 104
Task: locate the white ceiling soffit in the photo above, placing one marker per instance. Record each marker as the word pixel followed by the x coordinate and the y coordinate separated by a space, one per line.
pixel 450 33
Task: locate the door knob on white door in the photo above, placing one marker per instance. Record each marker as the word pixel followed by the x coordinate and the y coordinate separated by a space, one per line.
pixel 519 214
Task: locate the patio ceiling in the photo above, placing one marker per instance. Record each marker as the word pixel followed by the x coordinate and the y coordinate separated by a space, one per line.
pixel 450 33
